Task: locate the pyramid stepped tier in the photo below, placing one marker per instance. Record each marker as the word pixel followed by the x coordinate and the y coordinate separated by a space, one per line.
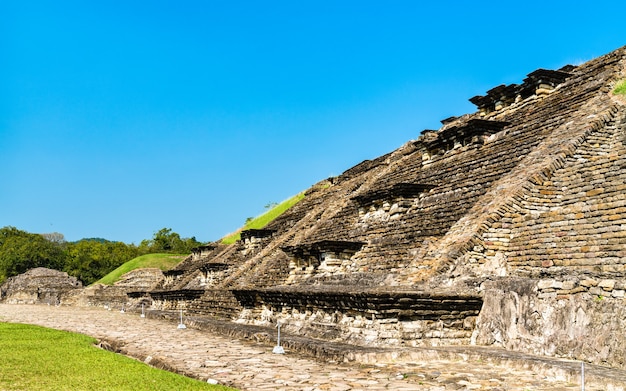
pixel 414 318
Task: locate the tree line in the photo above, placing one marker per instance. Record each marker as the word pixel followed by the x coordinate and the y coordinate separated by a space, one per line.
pixel 88 259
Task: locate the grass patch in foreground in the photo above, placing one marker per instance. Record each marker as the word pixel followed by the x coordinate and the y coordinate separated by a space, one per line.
pixel 620 88
pixel 161 261
pixel 264 219
pixel 35 358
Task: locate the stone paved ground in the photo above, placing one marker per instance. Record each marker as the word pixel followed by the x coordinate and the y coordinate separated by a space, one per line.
pixel 252 366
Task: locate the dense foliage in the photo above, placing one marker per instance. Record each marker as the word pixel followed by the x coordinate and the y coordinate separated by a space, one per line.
pixel 166 241
pixel 87 259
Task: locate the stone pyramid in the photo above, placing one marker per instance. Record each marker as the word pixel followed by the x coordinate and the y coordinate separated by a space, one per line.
pixel 505 227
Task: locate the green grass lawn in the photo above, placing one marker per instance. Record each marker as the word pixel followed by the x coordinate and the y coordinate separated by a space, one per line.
pixel 161 261
pixel 620 88
pixel 264 219
pixel 35 358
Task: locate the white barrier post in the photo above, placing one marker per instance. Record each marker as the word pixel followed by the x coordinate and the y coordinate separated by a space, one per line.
pixel 278 349
pixel 181 325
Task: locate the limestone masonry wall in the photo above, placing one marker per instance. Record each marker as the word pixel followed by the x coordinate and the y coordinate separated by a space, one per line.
pixel 576 318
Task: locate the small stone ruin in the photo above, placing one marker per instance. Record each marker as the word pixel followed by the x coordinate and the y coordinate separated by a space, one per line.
pixel 38 286
pixel 121 295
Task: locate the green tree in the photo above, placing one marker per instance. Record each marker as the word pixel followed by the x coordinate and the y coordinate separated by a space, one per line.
pixel 166 241
pixel 190 244
pixel 8 231
pixel 84 260
pixel 90 260
pixel 21 251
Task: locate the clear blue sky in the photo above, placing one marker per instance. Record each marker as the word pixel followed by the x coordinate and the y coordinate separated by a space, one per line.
pixel 119 118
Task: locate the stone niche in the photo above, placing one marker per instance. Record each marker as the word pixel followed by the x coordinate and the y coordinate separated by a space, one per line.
pixel 254 239
pixel 474 131
pixel 497 98
pixel 327 256
pixel 389 203
pixel 256 235
pixel 540 82
pixel 212 273
pixel 38 286
pixel 202 251
pixel 172 277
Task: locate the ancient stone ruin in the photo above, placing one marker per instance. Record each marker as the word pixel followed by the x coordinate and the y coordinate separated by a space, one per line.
pixel 38 286
pixel 505 227
pixel 119 294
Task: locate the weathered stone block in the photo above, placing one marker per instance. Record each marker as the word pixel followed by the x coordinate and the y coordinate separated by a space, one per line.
pixel 469 323
pixel 571 291
pixel 596 291
pixel 568 285
pixel 546 284
pixel 607 285
pixel 547 295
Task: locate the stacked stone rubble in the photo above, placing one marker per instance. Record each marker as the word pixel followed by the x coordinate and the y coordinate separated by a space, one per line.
pixel 38 286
